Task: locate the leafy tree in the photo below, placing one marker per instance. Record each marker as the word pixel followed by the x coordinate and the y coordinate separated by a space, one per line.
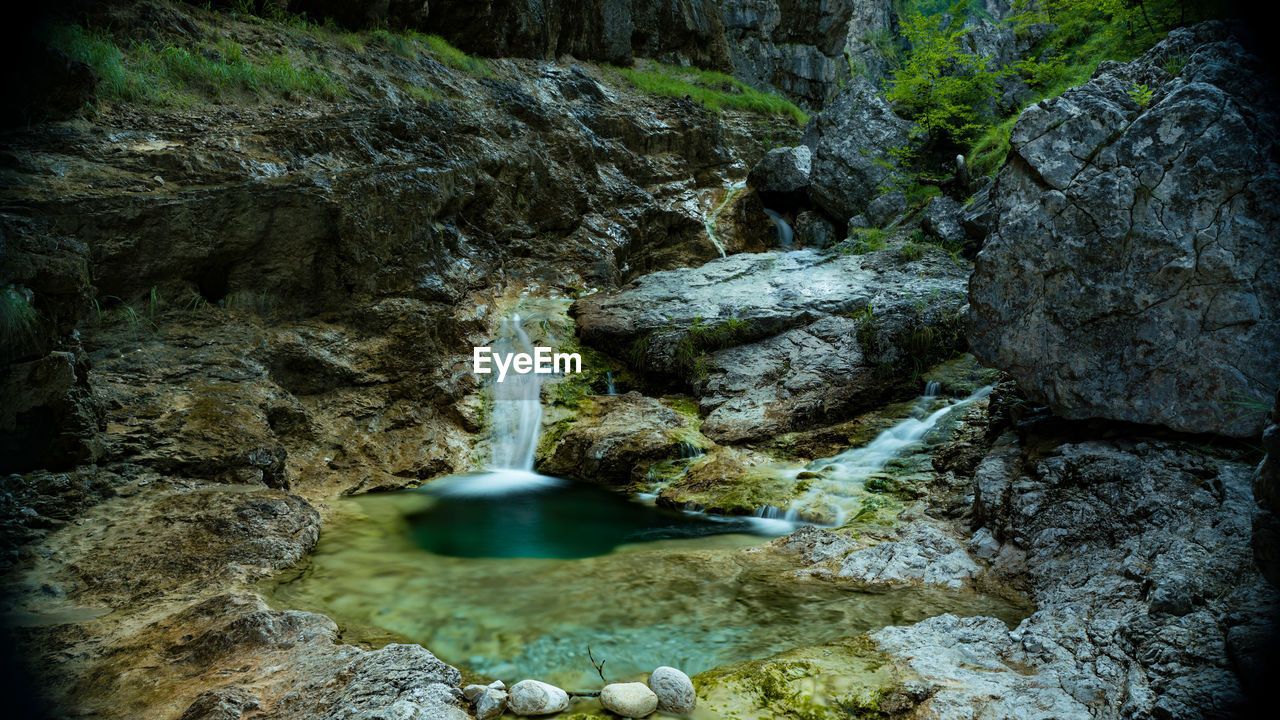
pixel 942 86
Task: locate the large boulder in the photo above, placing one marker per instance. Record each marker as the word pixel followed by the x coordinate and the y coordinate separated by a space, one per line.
pixel 1132 274
pixel 773 342
pixel 782 177
pixel 850 140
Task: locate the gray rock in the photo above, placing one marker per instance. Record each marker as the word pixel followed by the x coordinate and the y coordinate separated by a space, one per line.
pixel 859 221
pixel 630 700
pixel 782 177
pixel 850 139
pixel 815 231
pixel 533 697
pixel 616 440
pixel 805 50
pixel 674 690
pixel 943 218
pixel 1132 274
pixel 1266 492
pixel 490 704
pixel 886 208
pixel 925 554
pixel 793 355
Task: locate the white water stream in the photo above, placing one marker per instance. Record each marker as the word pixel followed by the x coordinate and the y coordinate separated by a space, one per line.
pixel 514 427
pixel 785 234
pixel 838 490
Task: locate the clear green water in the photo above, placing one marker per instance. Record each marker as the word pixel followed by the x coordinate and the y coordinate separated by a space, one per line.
pixel 571 520
pixel 691 596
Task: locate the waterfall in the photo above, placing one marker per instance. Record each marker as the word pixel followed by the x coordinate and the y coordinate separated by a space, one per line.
pixel 609 388
pixel 517 405
pixel 843 475
pixel 515 423
pixel 785 233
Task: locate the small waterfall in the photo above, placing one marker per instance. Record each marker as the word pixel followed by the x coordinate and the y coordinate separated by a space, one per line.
pixel 609 388
pixel 785 233
pixel 710 221
pixel 844 474
pixel 517 406
pixel 932 388
pixel 514 427
pixel 689 451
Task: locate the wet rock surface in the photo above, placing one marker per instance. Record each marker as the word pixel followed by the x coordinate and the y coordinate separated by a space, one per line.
pixel 1130 233
pixel 616 441
pixel 797 337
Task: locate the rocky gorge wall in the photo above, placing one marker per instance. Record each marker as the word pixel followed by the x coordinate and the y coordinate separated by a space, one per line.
pixel 284 295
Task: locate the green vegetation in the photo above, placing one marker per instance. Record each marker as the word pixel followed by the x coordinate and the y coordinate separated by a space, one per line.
pixel 441 50
pixel 17 317
pixel 411 44
pixel 951 94
pixel 1141 95
pixel 713 90
pixel 701 338
pixel 862 241
pixel 156 73
pixel 941 86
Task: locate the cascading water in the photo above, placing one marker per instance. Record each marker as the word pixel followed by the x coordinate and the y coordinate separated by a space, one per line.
pixel 836 492
pixel 515 424
pixel 785 233
pixel 609 387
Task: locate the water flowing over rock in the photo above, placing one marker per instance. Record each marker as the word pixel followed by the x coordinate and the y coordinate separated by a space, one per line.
pixel 674 690
pixel 850 140
pixel 630 700
pixel 796 338
pixel 1132 274
pixel 533 697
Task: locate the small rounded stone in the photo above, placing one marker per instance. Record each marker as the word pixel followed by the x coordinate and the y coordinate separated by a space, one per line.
pixel 674 690
pixel 630 700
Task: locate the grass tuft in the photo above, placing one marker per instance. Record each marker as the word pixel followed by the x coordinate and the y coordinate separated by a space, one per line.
pixel 171 75
pixel 17 317
pixel 713 90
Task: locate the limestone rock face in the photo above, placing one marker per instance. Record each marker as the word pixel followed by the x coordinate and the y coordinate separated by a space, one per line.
pixel 801 48
pixel 615 31
pixel 630 700
pixel 533 697
pixel 674 690
pixel 942 218
pixel 791 343
pixel 1266 493
pixel 1132 274
pixel 850 139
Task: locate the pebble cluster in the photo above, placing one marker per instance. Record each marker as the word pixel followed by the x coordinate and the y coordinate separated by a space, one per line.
pixel 668 690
